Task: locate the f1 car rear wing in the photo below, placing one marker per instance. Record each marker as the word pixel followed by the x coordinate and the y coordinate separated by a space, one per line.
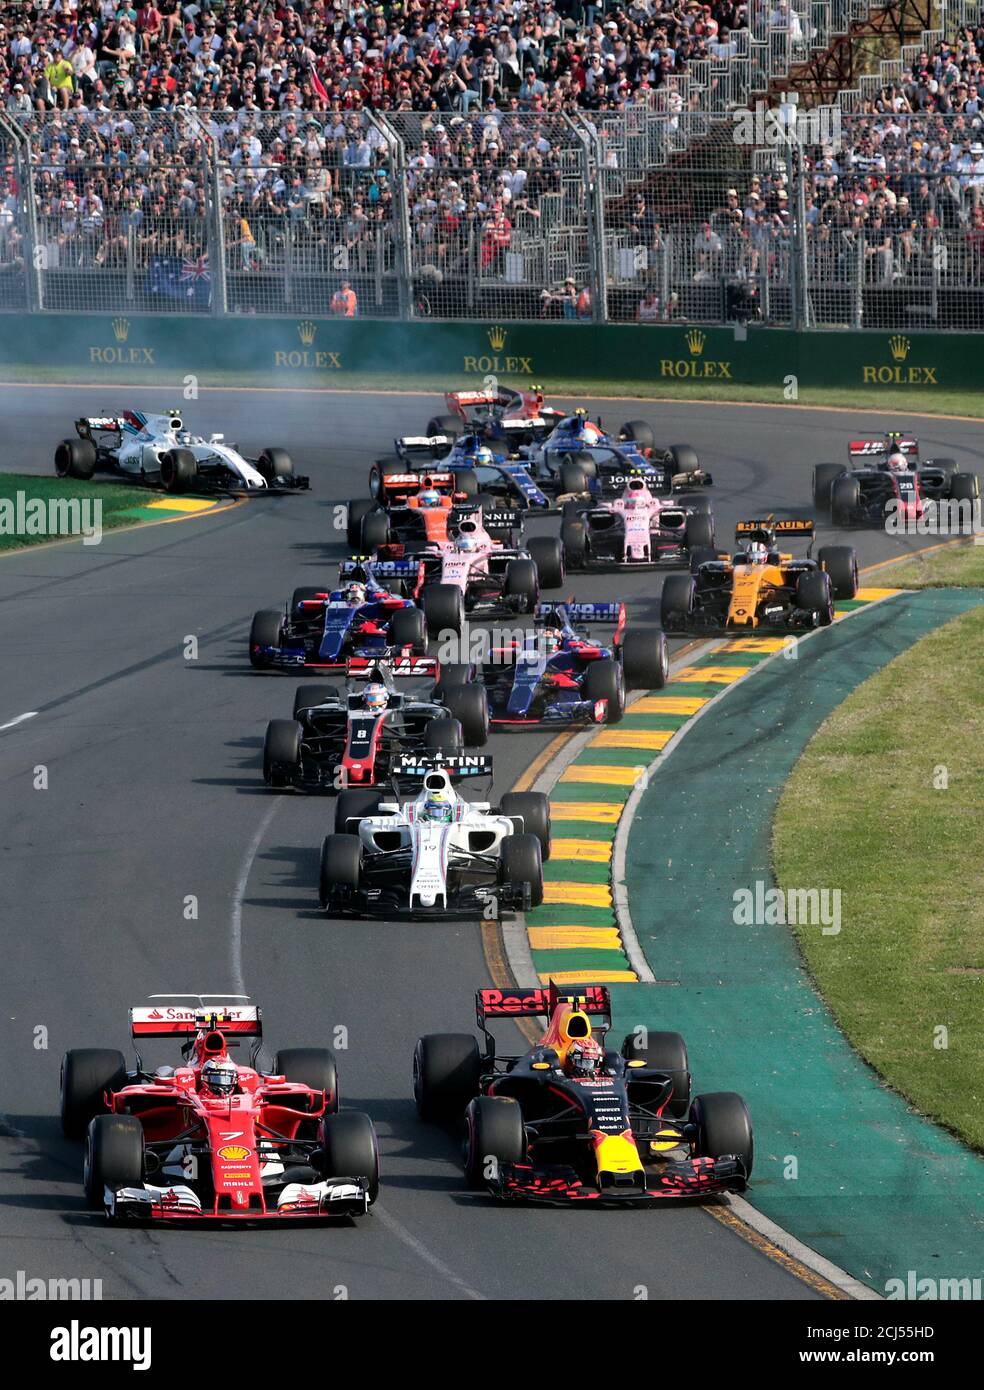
pixel 888 444
pixel 581 612
pixel 173 1015
pixel 98 424
pixel 493 518
pixel 415 482
pixel 414 767
pixel 363 668
pixel 431 444
pixel 769 527
pixel 594 1000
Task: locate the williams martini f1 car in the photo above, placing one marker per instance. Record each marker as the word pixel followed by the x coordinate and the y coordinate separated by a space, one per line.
pixel 572 1120
pixel 435 855
pixel 886 476
pixel 759 586
pixel 210 1138
pixel 158 451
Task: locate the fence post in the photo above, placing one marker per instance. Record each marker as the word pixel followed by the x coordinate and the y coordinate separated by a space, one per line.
pixel 33 267
pixel 594 181
pixel 403 253
pixel 216 224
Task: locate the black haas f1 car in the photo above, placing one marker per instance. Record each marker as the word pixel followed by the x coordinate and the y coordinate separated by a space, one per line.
pixel 436 855
pixel 211 1138
pixel 886 476
pixel 337 740
pixel 516 417
pixel 760 586
pixel 635 529
pixel 572 1120
pixel 323 629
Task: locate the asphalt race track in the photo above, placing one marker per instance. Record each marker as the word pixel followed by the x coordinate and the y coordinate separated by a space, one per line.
pixel 155 792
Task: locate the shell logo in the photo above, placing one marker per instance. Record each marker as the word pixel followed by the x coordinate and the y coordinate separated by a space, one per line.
pixel 234 1153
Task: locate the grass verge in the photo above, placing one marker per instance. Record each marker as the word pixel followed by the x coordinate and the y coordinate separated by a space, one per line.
pixel 893 814
pixel 952 566
pixel 114 501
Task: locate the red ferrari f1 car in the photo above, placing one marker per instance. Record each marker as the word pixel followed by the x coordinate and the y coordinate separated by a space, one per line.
pixel 211 1138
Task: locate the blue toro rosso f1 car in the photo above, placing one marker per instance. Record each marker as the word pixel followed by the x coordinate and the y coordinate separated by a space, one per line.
pixel 557 673
pixel 324 629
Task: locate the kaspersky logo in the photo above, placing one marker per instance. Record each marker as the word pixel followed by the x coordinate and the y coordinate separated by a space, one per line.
pixel 903 372
pixel 492 362
pixel 112 356
pixel 320 360
pixel 695 366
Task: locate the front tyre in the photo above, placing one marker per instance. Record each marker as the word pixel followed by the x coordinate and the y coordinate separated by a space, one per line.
pixel 87 1074
pixel 114 1156
pixel 548 556
pixel 494 1136
pixel 281 753
pixel 276 466
pixel 310 1066
pixel 179 469
pixel 521 861
pixel 264 633
pixel 349 1149
pixel 724 1126
pixel 604 680
pixel 340 869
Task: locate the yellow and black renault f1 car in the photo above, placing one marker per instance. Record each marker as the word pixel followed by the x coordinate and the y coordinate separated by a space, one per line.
pixel 760 586
pixel 572 1120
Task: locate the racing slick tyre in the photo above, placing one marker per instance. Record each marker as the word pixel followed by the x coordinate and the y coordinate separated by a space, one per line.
pixel 349 1149
pixel 86 1074
pixel 645 662
pixel 676 602
pixel 964 487
pixel 573 478
pixel 355 804
pixel 574 539
pixel 845 497
pixel 341 866
pixel 308 695
pixel 75 458
pixel 446 1071
pixel 443 607
pixel 114 1156
pixel 444 736
pixel 358 509
pixel 521 861
pixel 814 591
pixel 469 705
pixel 383 468
pixel 724 1126
pixel 408 628
pixel 639 432
pixel 276 465
pixel 264 632
pixel 374 532
pixel 666 1052
pixel 494 1134
pixel 445 424
pixel 701 556
pixel 841 563
pixel 699 534
pixel 534 808
pixel 701 506
pixel 179 469
pixel 453 673
pixel 949 466
pixel 823 478
pixel 281 753
pixel 548 556
pixel 310 1066
pixel 605 680
pixel 683 458
pixel 522 582
pixel 466 481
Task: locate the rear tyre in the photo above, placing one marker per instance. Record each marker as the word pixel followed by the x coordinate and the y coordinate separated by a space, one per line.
pixel 724 1126
pixel 349 1149
pixel 444 736
pixel 307 696
pixel 949 466
pixel 841 563
pixel 534 808
pixel 823 477
pixel 450 425
pixel 676 604
pixel 548 556
pixel 639 432
pixel 357 510
pixel 310 1066
pixel 494 1135
pixel 443 607
pixel 375 531
pixel 451 673
pixel 521 861
pixel 408 628
pixel 699 533
pixel 845 496
pixel 276 465
pixel 355 804
pixel 572 478
pixel 469 705
pixel 114 1156
pixel 264 632
pixel 383 468
pixel 281 753
pixel 666 1052
pixel 75 458
pixel 341 864
pixel 965 488
pixel 604 680
pixel 814 591
pixel 645 660
pixel 574 539
pixel 446 1070
pixel 179 469
pixel 522 583
pixel 87 1073
pixel 304 594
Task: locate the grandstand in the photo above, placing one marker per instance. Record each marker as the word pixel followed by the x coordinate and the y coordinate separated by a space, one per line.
pixel 537 160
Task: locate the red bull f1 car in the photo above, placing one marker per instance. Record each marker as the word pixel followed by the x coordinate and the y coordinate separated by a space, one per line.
pixel 209 1138
pixel 572 1120
pixel 886 477
pixel 636 529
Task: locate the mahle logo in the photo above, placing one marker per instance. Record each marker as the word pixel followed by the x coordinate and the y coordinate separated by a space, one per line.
pixel 514 364
pixel 705 369
pixel 903 372
pixel 307 331
pixel 123 353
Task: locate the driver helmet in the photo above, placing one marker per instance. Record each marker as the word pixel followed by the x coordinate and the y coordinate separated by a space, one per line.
pixel 355 593
pixel 584 1058
pixel 550 640
pixel 375 698
pixel 757 553
pixel 219 1076
pixel 437 806
pixel 430 498
pixel 467 542
pixel 481 457
pixel 897 462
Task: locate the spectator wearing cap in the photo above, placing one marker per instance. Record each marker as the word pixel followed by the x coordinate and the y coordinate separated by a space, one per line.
pixel 344 303
pixel 19 103
pixel 530 89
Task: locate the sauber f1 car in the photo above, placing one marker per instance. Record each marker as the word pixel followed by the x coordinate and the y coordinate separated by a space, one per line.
pixel 636 529
pixel 211 1138
pixel 885 476
pixel 322 629
pixel 572 1120
pixel 559 674
pixel 158 451
pixel 505 480
pixel 760 586
pixel 337 740
pixel 436 855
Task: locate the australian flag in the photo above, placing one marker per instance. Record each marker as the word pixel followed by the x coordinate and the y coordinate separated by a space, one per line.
pixel 188 280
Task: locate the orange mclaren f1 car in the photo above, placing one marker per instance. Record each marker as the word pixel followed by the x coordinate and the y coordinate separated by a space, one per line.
pixel 572 1120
